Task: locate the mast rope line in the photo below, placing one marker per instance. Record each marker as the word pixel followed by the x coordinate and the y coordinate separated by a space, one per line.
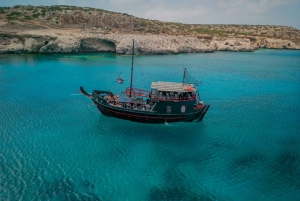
pixel 187 78
pixel 124 67
pixel 141 70
pixel 190 80
pixel 131 74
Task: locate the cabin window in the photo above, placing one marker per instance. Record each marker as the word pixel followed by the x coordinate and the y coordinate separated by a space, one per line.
pixel 169 110
pixel 182 109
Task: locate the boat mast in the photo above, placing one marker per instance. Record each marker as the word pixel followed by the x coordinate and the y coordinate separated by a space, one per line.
pixel 184 74
pixel 130 89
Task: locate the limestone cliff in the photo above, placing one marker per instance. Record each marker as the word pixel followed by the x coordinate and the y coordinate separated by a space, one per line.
pixel 121 43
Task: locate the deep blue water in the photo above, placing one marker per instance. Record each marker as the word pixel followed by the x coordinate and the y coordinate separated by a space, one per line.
pixel 55 145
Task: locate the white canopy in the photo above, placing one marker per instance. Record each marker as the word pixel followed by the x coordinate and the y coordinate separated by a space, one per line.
pixel 172 87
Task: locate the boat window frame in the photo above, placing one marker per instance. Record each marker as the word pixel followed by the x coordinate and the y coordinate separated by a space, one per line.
pixel 169 109
pixel 183 109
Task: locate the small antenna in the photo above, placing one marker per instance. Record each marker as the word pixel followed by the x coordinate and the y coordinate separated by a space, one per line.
pixel 184 74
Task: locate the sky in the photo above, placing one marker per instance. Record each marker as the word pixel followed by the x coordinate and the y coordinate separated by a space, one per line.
pixel 253 12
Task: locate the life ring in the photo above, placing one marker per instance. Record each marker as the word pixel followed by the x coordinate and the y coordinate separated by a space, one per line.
pixel 187 88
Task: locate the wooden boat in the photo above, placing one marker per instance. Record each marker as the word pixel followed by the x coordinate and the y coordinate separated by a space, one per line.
pixel 164 102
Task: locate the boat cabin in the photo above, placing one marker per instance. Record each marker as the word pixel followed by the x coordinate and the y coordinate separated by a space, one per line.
pixel 174 98
pixel 172 91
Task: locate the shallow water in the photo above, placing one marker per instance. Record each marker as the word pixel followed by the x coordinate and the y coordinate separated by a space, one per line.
pixel 55 145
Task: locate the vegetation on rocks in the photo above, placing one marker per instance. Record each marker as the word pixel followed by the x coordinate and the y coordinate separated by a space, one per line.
pixel 72 16
pixel 82 23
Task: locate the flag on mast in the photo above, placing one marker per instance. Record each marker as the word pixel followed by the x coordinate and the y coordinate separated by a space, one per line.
pixel 119 80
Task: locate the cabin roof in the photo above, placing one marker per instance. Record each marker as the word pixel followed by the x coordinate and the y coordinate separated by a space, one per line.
pixel 172 86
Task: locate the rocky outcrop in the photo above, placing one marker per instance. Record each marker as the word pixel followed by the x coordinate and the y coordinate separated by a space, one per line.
pixel 62 44
pixel 154 44
pixel 33 45
pixel 97 45
pixel 280 44
pixel 144 44
pixel 11 45
pixel 21 44
pixel 12 48
pixel 122 43
pixel 233 44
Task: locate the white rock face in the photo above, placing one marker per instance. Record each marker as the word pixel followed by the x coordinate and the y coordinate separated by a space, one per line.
pixel 47 48
pixel 32 45
pixel 233 44
pixel 97 45
pixel 12 45
pixel 12 48
pixel 144 44
pixel 280 44
pixel 62 44
pixel 154 44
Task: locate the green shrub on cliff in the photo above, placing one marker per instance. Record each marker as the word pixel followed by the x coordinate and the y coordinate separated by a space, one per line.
pixel 17 6
pixel 44 11
pixel 13 15
pixel 27 17
pixel 210 31
pixel 2 11
pixel 30 8
pixel 55 8
pixel 143 25
pixel 36 15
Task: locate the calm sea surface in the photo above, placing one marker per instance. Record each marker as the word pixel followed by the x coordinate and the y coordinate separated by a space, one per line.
pixel 55 145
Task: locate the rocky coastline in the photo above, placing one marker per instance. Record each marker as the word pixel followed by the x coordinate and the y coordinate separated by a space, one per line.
pixel 74 29
pixel 121 44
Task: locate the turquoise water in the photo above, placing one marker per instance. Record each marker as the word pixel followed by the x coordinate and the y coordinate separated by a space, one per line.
pixel 55 145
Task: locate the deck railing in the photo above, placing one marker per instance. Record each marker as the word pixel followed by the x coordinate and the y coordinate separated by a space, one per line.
pixel 166 98
pixel 136 92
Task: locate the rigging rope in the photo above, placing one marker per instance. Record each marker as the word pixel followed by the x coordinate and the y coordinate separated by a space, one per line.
pixel 143 73
pixel 113 85
pixel 190 80
pixel 124 67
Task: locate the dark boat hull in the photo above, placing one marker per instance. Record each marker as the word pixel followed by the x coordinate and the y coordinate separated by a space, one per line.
pixel 149 117
pixel 143 115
